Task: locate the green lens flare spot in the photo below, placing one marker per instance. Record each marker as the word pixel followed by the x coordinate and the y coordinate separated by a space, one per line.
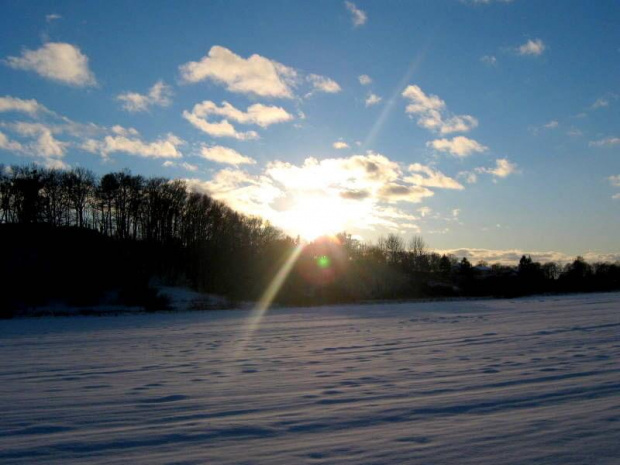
pixel 323 262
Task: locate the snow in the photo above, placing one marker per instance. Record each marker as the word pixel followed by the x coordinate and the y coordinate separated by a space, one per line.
pixel 526 381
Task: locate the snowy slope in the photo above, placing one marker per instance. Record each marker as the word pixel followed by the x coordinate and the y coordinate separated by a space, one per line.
pixel 529 381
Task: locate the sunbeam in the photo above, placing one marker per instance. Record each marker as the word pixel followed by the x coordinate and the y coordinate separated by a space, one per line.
pixel 389 106
pixel 267 298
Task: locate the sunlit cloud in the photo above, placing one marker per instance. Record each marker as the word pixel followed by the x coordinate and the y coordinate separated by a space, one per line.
pixel 356 193
pixel 432 112
pixel 184 165
pixel 226 155
pixel 164 147
pixel 30 107
pixel 372 99
pixel 57 61
pixel 459 146
pixel 615 180
pixel 339 145
pixel 10 145
pixel 426 176
pixel 254 75
pixel 257 114
pixel 502 169
pixel 323 84
pixel 358 17
pixel 158 95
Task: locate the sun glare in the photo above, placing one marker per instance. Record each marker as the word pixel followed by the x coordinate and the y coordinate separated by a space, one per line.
pixel 313 216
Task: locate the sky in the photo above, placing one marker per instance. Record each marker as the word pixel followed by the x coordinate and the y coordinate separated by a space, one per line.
pixel 489 127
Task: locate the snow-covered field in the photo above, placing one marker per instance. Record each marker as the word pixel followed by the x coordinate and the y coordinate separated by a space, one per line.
pixel 528 381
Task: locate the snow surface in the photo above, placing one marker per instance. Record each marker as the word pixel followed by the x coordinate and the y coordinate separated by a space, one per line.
pixel 528 381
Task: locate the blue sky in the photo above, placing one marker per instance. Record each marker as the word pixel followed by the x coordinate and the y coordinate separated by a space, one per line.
pixel 488 127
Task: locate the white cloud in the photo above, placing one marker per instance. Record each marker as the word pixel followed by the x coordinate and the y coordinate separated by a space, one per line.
pixel 52 17
pixel 615 180
pixel 364 79
pixel 122 131
pixel 432 112
pixel 40 144
pixel 226 155
pixel 254 75
pixel 552 124
pixel 503 168
pixel 372 99
pixel 10 145
pixel 339 145
pixel 164 147
pixel 431 178
pixel 57 61
pixel 606 142
pixel 600 103
pixel 458 146
pixel 358 17
pixel 469 176
pixel 323 84
pixel 184 165
pixel 489 60
pixel 159 95
pixel 534 47
pixel 30 107
pixel 616 196
pixel 258 114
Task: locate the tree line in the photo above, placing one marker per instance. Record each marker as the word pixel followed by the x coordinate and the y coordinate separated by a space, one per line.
pixel 78 239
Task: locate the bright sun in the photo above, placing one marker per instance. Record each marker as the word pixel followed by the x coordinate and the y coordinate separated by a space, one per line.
pixel 313 216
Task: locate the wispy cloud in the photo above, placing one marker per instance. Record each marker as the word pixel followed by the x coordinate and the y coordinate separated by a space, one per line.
pixel 426 176
pixel 502 169
pixel 225 155
pixel 534 47
pixel 323 84
pixel 358 17
pixel 433 114
pixel 158 95
pixel 605 142
pixel 364 79
pixel 164 147
pixel 490 60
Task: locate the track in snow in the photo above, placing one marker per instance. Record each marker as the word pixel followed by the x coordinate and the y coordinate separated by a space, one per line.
pixel 525 381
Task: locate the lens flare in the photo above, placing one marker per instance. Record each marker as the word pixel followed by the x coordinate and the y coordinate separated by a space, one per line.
pixel 324 262
pixel 267 298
